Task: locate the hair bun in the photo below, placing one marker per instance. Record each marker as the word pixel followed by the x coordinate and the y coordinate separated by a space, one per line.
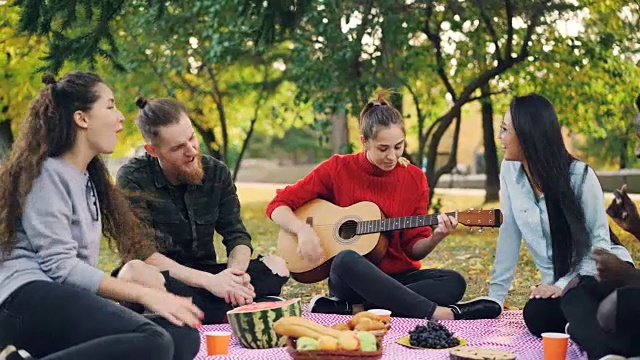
pixel 141 102
pixel 48 79
pixel 381 97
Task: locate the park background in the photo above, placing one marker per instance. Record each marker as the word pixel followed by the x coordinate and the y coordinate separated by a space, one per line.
pixel 274 87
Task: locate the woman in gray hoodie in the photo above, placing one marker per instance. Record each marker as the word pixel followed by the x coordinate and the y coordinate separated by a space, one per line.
pixel 57 200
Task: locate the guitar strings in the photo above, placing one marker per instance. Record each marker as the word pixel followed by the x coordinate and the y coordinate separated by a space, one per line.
pixel 354 224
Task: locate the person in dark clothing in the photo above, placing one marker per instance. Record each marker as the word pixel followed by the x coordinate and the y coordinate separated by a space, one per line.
pixel 619 311
pixel 185 197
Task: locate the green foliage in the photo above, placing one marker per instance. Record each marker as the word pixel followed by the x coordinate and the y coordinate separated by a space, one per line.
pixel 592 79
pixel 436 206
pixel 78 30
pixel 19 58
pixel 261 67
pixel 277 18
pixel 300 145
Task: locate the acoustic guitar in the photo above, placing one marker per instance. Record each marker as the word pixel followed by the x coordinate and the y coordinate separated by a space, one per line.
pixel 359 227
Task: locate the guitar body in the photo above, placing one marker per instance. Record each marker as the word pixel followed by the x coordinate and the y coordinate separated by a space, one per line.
pixel 335 227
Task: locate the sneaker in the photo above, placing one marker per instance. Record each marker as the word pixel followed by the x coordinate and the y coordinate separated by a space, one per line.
pixel 613 357
pixel 329 305
pixel 24 356
pixel 11 353
pixel 268 298
pixel 479 308
pixel 8 351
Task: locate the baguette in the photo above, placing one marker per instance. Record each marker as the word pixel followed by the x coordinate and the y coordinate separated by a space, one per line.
pixel 295 327
pixel 467 353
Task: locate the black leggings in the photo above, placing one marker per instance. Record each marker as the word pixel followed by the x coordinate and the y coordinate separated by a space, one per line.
pixel 58 322
pixel 578 307
pixel 414 294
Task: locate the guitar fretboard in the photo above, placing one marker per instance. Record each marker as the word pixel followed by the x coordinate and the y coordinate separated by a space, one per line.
pixel 407 222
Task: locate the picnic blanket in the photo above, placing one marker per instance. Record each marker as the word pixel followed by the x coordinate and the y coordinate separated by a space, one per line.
pixel 507 332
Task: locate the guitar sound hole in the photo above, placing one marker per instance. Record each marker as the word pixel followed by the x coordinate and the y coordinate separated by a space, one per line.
pixel 348 229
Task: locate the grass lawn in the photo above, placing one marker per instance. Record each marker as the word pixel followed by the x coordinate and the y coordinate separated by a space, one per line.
pixel 469 253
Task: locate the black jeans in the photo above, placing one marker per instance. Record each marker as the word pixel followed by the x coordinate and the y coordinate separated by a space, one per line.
pixel 264 281
pixel 578 307
pixel 414 294
pixel 58 322
pixel 627 320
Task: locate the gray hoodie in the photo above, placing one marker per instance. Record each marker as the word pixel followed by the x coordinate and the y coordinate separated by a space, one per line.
pixel 58 235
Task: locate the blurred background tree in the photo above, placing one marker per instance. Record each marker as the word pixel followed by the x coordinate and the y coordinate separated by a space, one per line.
pixel 285 79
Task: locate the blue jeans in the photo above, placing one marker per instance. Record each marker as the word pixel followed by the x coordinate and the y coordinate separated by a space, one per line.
pixel 58 322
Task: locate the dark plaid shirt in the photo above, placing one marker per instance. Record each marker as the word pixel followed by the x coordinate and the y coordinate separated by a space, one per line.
pixel 186 216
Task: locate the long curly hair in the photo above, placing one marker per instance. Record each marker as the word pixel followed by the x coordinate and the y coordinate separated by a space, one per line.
pixel 49 131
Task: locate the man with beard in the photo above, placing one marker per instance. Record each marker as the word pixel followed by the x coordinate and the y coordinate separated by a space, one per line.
pixel 186 197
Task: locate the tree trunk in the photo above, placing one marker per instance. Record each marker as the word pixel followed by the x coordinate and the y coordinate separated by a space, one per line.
pixel 245 146
pixel 434 171
pixel 339 132
pixel 492 182
pixel 6 138
pixel 209 139
pixel 623 155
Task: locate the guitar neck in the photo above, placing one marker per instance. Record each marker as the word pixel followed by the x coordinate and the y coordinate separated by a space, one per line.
pixel 400 223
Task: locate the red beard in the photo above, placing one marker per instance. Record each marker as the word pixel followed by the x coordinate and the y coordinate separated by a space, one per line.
pixel 188 175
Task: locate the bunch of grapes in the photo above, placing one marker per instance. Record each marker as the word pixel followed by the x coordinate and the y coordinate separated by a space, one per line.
pixel 433 335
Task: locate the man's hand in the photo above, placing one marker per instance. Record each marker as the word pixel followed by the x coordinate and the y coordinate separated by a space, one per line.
pixel 545 292
pixel 624 211
pixel 610 269
pixel 238 298
pixel 232 285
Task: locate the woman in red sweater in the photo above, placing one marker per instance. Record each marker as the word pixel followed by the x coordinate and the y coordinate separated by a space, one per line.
pixel 380 175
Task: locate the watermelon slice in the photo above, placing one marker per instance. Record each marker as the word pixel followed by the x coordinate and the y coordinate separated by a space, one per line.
pixel 253 324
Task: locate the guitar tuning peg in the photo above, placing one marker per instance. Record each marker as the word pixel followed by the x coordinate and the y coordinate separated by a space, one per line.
pixel 492 229
pixel 470 230
pixel 481 230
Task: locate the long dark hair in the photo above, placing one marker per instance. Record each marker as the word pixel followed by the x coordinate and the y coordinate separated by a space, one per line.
pixel 538 130
pixel 49 131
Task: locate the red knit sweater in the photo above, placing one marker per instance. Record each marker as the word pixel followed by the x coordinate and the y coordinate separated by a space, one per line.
pixel 348 179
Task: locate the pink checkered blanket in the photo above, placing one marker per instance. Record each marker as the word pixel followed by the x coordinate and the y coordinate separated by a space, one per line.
pixel 508 332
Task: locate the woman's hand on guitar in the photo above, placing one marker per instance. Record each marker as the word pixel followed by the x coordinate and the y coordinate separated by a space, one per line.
pixel 446 225
pixel 309 245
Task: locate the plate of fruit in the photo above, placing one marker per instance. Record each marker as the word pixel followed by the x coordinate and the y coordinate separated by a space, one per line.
pixel 432 335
